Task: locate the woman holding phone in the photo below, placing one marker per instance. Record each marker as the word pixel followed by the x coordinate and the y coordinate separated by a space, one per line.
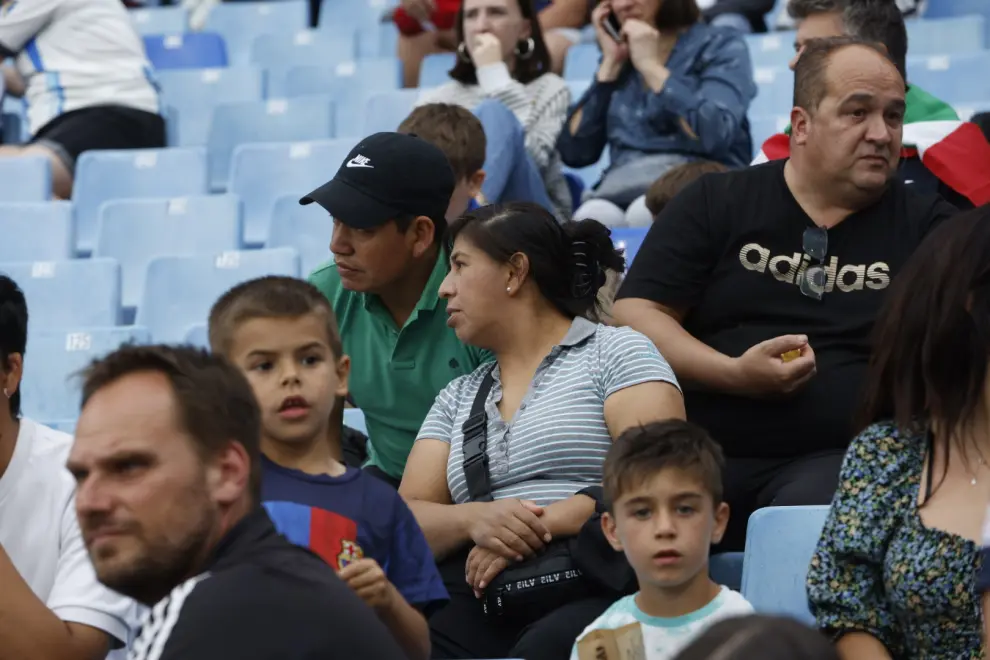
pixel 669 89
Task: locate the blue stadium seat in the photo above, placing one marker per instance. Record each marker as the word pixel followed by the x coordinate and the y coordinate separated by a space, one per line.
pixel 195 93
pixel 775 91
pixel 363 77
pixel 354 12
pixel 39 231
pixel 27 179
pixel 276 120
pixel 386 110
pixel 436 68
pixel 306 228
pixel 198 336
pixel 240 22
pixel 63 425
pixel 952 8
pixel 943 36
pixel 112 174
pixel 772 49
pixel 195 50
pixel 953 78
pixel 52 363
pixel 354 418
pixel 68 294
pixel 283 51
pixel 629 239
pixel 780 542
pixel 179 291
pixel 578 88
pixel 135 231
pixel 727 569
pixel 261 173
pixel 581 61
pixel 159 20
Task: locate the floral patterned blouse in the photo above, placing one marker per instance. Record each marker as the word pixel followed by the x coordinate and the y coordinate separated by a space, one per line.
pixel 878 569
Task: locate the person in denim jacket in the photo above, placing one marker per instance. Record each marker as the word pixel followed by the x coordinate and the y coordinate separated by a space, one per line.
pixel 671 91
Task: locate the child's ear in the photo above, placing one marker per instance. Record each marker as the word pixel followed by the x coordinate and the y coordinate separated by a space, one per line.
pixel 721 520
pixel 343 375
pixel 475 181
pixel 608 527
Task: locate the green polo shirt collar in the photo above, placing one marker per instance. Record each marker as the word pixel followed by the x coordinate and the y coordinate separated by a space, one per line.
pixel 428 301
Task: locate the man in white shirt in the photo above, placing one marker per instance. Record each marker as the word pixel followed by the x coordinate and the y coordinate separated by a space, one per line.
pixel 81 66
pixel 51 605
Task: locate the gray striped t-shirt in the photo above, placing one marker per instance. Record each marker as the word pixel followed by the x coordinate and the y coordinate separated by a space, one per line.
pixel 557 441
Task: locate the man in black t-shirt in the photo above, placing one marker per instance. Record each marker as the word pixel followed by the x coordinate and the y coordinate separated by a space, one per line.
pixel 760 286
pixel 168 470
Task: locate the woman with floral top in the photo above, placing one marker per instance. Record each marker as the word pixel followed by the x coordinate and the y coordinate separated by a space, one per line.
pixel 894 575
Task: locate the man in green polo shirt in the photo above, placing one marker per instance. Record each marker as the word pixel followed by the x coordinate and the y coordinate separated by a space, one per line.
pixel 388 201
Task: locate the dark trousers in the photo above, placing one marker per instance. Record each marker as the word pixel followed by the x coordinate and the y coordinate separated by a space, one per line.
pixel 462 630
pixel 754 483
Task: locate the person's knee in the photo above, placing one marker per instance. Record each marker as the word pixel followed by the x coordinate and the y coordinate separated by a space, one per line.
pixel 498 120
pixel 61 174
pixel 812 484
pixel 557 44
pixel 601 210
pixel 638 215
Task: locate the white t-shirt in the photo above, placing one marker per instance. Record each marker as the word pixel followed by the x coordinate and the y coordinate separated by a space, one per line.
pixel 665 638
pixel 74 54
pixel 40 533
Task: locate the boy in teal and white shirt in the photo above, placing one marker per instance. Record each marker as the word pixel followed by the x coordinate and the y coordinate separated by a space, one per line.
pixel 663 485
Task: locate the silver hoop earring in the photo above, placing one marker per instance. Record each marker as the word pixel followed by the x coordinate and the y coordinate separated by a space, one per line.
pixel 525 54
pixel 462 53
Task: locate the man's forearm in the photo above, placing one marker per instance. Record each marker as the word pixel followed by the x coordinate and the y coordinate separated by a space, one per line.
pixel 691 360
pixel 31 631
pixel 13 82
pixel 408 626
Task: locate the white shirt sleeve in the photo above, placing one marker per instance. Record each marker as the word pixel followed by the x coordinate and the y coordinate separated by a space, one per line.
pixel 78 597
pixel 20 20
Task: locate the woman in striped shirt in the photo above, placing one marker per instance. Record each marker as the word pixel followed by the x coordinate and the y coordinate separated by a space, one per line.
pixel 503 74
pixel 522 286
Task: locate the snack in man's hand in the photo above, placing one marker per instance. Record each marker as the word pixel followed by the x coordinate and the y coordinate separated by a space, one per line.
pixel 791 355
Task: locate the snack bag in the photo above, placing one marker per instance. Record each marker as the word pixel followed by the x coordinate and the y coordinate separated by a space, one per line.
pixel 625 643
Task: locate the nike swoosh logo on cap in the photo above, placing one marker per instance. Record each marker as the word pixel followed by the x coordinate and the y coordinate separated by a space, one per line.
pixel 360 161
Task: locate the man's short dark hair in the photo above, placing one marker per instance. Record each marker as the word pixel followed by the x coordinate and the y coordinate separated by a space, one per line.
pixel 271 297
pixel 13 332
pixel 216 405
pixel 811 71
pixel 871 20
pixel 642 452
pixel 455 131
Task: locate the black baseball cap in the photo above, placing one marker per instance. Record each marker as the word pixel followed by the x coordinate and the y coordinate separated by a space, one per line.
pixel 388 175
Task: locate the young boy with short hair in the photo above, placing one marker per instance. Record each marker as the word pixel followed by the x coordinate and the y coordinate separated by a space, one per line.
pixel 663 489
pixel 460 136
pixel 281 332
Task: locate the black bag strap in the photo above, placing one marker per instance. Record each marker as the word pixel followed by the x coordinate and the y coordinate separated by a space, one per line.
pixel 475 429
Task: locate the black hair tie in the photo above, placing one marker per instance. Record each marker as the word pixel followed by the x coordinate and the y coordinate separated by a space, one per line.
pixel 586 274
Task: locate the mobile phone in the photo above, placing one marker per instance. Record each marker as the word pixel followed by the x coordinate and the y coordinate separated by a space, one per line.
pixel 612 26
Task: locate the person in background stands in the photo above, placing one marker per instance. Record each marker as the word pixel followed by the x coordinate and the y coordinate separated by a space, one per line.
pixel 939 153
pixel 503 75
pixel 761 285
pixel 522 286
pixel 281 333
pixel 388 202
pixel 427 26
pixel 672 90
pixel 461 138
pixel 168 478
pixel 675 180
pixel 51 604
pixel 80 65
pixel 896 569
